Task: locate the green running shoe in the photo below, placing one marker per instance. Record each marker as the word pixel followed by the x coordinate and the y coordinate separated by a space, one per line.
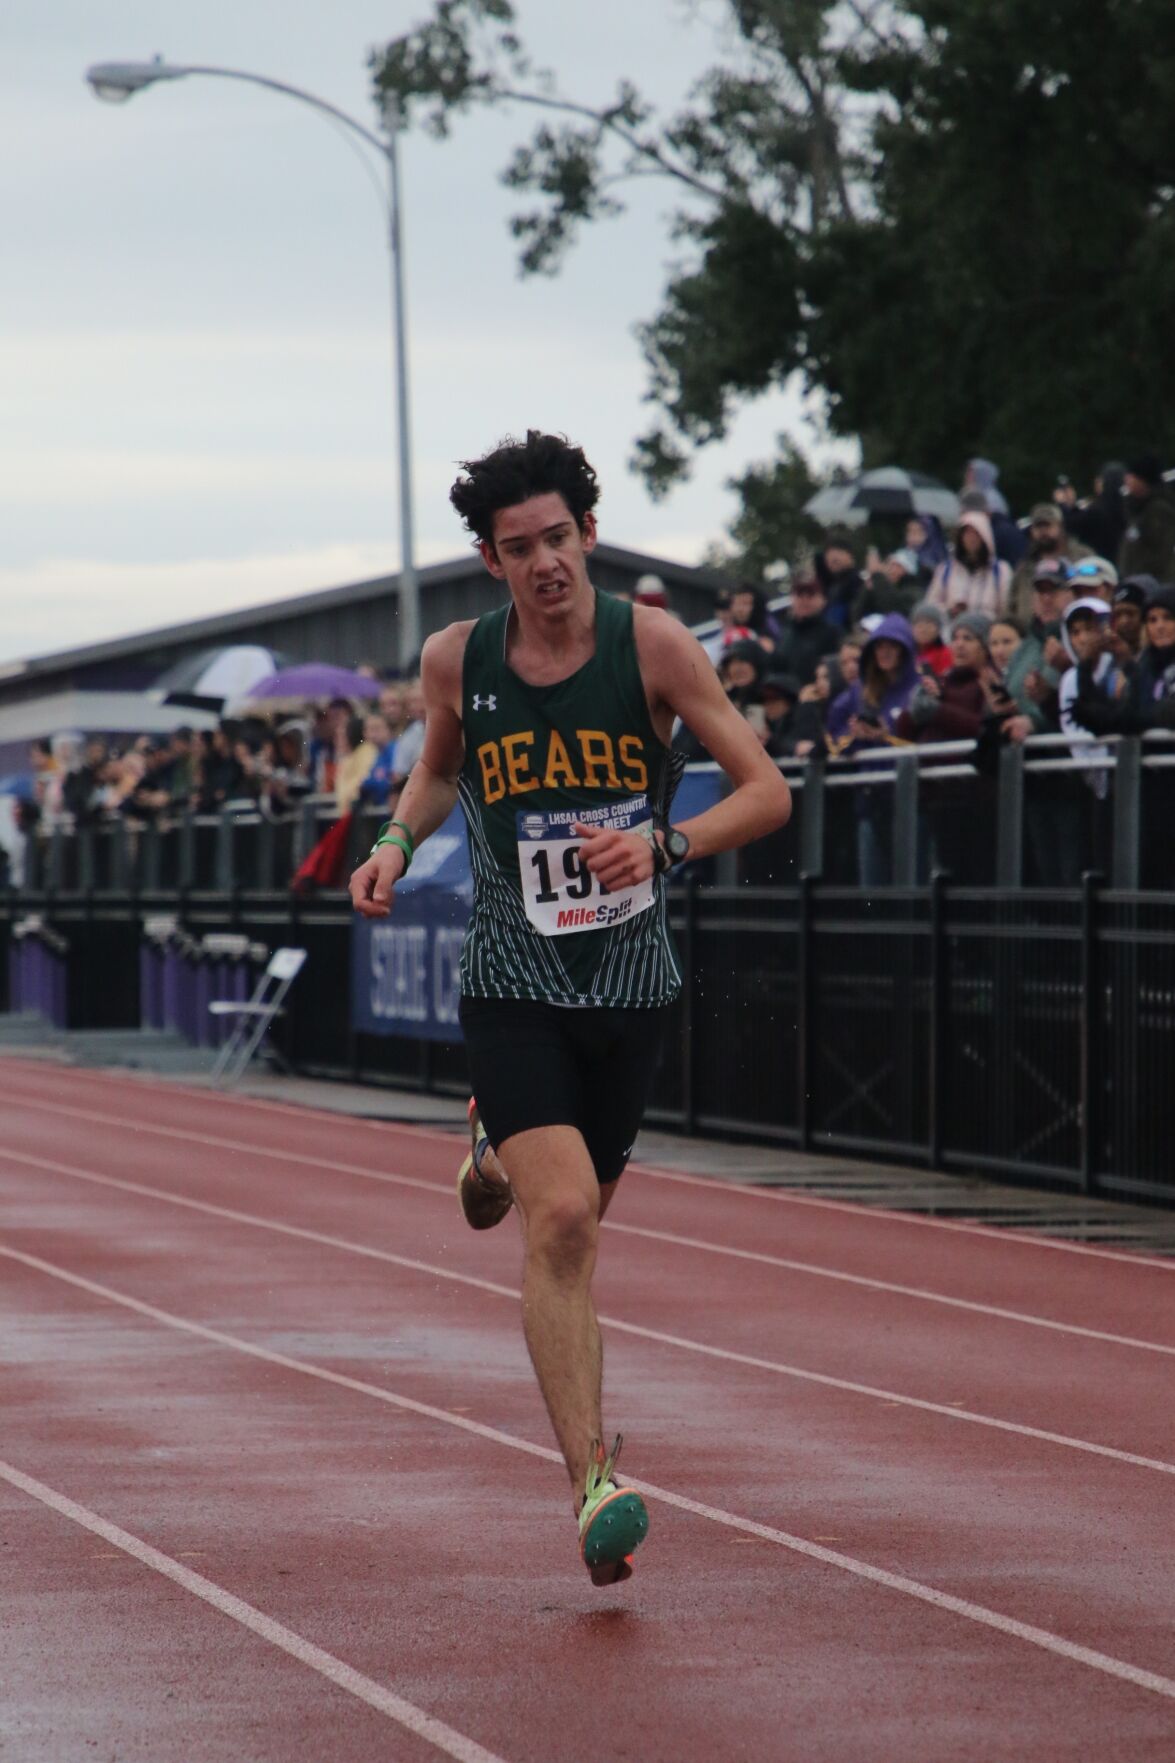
pixel 484 1200
pixel 613 1521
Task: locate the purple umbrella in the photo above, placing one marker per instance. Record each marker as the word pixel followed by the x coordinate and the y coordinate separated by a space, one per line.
pixel 315 679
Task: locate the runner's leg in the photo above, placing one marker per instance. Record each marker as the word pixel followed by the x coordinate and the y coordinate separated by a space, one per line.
pixel 559 1199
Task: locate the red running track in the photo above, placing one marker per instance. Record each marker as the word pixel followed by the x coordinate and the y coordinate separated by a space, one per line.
pixel 276 1482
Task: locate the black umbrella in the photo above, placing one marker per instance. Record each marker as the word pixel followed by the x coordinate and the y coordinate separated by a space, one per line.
pixel 889 490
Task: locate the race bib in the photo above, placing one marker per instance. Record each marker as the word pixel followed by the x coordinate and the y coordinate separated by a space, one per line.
pixel 559 891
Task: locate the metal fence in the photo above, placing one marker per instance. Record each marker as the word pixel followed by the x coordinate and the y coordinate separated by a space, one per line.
pixel 1027 1034
pixel 1038 815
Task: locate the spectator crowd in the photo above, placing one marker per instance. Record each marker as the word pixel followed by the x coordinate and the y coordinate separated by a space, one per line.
pixel 334 751
pixel 987 634
pixel 999 630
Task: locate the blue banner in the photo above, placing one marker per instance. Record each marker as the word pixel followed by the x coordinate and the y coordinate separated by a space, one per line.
pixel 406 969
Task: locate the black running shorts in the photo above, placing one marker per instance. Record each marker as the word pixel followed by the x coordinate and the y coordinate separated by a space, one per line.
pixel 533 1064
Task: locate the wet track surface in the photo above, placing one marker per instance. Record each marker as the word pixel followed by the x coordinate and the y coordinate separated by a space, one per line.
pixel 910 1485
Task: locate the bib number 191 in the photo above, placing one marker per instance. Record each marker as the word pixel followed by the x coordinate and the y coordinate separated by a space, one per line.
pixel 578 877
pixel 559 892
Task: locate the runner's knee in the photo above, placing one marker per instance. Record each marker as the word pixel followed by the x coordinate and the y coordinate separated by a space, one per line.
pixel 562 1230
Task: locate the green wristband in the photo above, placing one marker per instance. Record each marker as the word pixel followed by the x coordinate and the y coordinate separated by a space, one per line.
pixel 394 839
pixel 406 830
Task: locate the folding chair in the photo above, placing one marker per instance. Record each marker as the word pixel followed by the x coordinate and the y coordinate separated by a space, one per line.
pixel 254 1018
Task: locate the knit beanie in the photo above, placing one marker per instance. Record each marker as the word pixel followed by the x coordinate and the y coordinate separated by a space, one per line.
pixel 975 622
pixel 929 611
pixel 1162 595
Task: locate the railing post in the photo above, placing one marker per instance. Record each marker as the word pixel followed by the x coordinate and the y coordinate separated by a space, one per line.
pixel 689 997
pixel 804 1014
pixel 1090 1032
pixel 264 861
pixel 187 853
pixel 307 836
pixel 812 819
pixel 56 873
pixel 224 852
pixel 936 1035
pixel 1127 813
pixel 152 855
pixel 120 865
pixel 1009 871
pixel 905 819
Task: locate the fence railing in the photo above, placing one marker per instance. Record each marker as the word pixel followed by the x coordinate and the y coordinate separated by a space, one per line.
pixel 1034 815
pixel 1022 1033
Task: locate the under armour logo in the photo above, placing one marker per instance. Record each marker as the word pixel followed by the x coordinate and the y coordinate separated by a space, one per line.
pixel 488 703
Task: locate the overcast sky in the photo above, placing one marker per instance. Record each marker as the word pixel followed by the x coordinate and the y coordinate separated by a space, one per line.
pixel 196 346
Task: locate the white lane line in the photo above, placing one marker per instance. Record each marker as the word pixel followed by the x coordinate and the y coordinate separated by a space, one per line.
pixel 886 1285
pixel 729 1355
pixel 364 1689
pixel 747 1190
pixel 911 1588
pixel 920 1294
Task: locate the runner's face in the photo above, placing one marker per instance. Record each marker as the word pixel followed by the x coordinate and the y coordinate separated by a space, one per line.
pixel 541 555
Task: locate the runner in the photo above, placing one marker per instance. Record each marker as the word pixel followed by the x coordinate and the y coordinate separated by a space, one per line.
pixel 550 717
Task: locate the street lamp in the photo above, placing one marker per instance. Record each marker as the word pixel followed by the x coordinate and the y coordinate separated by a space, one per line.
pixel 116 81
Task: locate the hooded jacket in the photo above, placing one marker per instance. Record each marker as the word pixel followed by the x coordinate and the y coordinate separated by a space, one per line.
pixel 803 642
pixel 1100 522
pixel 748 650
pixel 896 696
pixel 979 590
pixel 1148 544
pixel 1010 541
pixel 843 590
pixel 1102 677
pixel 934 549
pixel 1148 698
pixel 985 476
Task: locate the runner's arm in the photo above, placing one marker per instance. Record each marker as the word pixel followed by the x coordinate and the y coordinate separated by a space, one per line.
pixel 427 798
pixel 680 681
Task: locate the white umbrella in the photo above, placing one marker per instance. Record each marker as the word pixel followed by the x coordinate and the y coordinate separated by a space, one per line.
pixel 204 681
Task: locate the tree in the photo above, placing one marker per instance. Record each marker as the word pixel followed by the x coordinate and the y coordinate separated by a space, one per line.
pixel 756 158
pixel 953 217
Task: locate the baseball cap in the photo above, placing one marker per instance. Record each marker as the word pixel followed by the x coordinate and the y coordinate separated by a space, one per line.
pixel 1046 512
pixel 1050 572
pixel 1134 591
pixel 780 685
pixel 1093 569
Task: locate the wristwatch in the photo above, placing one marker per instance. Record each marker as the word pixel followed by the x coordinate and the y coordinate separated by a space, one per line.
pixel 668 850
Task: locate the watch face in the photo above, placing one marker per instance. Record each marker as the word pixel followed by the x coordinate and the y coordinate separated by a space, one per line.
pixel 676 844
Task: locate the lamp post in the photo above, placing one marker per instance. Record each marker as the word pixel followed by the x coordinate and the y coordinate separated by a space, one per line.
pixel 116 81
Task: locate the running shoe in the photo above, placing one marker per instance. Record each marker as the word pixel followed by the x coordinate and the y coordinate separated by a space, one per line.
pixel 485 1200
pixel 613 1521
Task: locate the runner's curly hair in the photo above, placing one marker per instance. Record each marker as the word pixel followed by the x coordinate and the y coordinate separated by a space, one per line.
pixel 517 470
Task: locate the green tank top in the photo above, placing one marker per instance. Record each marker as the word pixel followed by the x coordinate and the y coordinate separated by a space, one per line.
pixel 538 758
